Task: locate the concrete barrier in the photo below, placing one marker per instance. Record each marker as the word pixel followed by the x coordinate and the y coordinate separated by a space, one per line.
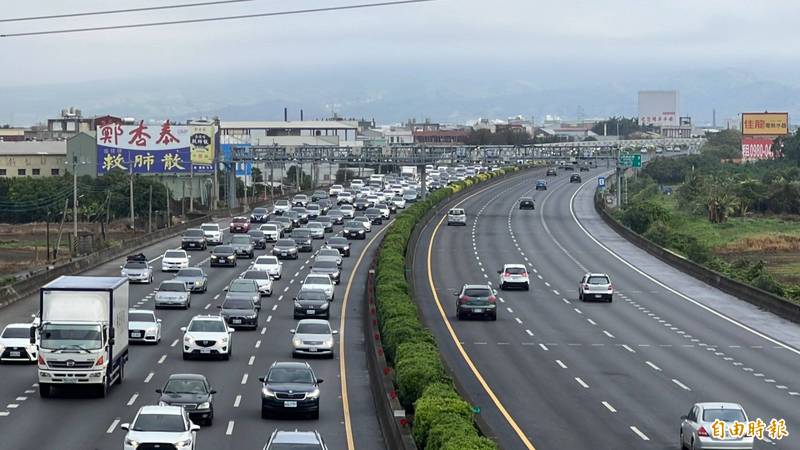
pixel 758 297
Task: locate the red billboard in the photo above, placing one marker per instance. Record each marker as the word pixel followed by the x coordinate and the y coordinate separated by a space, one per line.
pixel 755 149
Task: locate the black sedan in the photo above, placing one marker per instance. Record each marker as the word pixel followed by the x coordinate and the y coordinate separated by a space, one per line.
pixel 575 178
pixel 374 215
pixel 290 387
pixel 311 304
pixel 551 173
pixel 285 249
pixel 341 244
pixel 354 230
pixel 223 255
pixel 193 393
pixel 259 215
pixel 259 239
pixel 526 203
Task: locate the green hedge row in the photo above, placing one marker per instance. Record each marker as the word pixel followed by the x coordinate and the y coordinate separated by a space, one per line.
pixel 442 419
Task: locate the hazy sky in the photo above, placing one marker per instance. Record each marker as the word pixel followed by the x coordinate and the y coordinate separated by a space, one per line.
pixel 485 48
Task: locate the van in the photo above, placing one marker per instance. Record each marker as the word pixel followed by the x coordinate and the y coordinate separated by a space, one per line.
pixel 456 216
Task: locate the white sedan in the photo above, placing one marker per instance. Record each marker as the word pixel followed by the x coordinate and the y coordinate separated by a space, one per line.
pixel 174 260
pixel 269 264
pixel 15 343
pixel 143 326
pixel 166 426
pixel 262 279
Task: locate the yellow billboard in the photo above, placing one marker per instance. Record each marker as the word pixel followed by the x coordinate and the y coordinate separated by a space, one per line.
pixel 202 140
pixel 765 124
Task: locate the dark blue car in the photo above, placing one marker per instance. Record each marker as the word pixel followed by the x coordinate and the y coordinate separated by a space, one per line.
pixel 541 185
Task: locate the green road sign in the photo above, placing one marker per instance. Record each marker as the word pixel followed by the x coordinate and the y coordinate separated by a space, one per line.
pixel 630 160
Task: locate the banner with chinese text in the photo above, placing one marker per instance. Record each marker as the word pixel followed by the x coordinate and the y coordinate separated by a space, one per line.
pixel 202 143
pixel 755 149
pixel 765 124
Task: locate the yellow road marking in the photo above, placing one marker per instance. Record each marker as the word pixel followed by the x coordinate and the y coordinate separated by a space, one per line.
pixel 348 428
pixel 521 434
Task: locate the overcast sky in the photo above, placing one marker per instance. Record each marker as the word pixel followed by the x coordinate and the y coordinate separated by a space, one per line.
pixel 534 45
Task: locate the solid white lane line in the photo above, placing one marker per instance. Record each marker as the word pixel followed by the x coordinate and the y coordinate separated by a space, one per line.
pixel 113 426
pixel 609 407
pixel 561 364
pixel 655 367
pixel 681 385
pixel 581 382
pixel 161 360
pixel 133 399
pixel 251 360
pixel 244 378
pixel 229 430
pixel 237 401
pixel 149 377
pixel 639 433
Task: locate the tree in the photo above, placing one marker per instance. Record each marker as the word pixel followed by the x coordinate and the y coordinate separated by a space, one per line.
pixel 619 126
pixel 343 175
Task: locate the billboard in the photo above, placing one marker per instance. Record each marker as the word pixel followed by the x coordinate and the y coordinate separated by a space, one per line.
pixel 755 149
pixel 765 124
pixel 659 108
pixel 155 149
pixel 243 168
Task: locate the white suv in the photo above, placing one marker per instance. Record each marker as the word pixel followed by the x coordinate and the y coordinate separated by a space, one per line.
pixel 161 426
pixel 212 233
pixel 335 190
pixel 456 216
pixel 207 336
pixel 514 275
pixel 596 286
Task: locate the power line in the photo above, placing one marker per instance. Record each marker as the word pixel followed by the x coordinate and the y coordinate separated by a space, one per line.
pixel 214 19
pixel 120 11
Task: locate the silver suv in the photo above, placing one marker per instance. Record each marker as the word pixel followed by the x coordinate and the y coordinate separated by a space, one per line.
pixel 595 286
pixel 456 216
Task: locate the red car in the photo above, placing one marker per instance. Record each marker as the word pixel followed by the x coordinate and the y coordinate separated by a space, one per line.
pixel 240 225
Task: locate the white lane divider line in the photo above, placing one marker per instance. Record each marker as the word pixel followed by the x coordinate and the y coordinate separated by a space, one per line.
pixel 274 307
pixel 625 346
pixel 591 321
pixel 653 366
pixel 544 347
pixel 530 333
pixel 547 284
pixel 251 360
pixel 561 364
pixel 510 310
pixel 216 296
pixel 244 378
pixel 286 289
pixel 639 433
pixel 113 426
pixel 207 306
pixel 149 377
pixel 577 310
pixel 4 413
pixel 229 430
pixel 133 399
pixel 581 382
pixel 12 405
pixel 681 385
pixel 518 320
pixel 555 292
pixel 174 343
pixel 269 319
pixel 161 360
pixel 609 407
pixel 237 401
pixel 258 343
pixel 608 334
pixel 566 301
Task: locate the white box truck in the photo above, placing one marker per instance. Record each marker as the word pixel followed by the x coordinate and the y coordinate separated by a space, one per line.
pixel 82 337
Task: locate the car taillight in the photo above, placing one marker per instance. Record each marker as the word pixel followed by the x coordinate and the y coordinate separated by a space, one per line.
pixel 506 274
pixel 492 299
pixel 230 225
pixel 41 360
pixel 702 432
pixel 463 299
pixel 610 287
pixel 586 286
pixel 99 361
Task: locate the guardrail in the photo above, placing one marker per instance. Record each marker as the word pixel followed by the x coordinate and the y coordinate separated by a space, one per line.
pixel 758 297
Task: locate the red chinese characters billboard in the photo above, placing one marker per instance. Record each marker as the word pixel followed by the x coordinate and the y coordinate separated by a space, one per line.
pixel 755 149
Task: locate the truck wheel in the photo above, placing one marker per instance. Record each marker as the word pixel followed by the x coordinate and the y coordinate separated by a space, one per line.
pixel 45 390
pixel 102 390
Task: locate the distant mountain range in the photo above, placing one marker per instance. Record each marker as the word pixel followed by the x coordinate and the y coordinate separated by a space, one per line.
pixel 393 96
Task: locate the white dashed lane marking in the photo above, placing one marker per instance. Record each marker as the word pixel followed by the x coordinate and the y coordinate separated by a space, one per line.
pixel 609 407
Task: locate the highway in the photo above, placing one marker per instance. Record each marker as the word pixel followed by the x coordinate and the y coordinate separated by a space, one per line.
pixel 553 372
pixel 29 422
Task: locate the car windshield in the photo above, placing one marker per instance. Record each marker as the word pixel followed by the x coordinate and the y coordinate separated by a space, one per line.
pixel 316 225
pixel 597 280
pixel 190 273
pixel 193 233
pixel 238 303
pixel 223 249
pixel 267 260
pixel 210 228
pixel 372 211
pixel 255 275
pixel 135 265
pixel 178 386
pixel 329 252
pixel 17 333
pixel 325 265
pixel 312 295
pixel 140 317
pixel 515 270
pixel 269 227
pixel 256 233
pixel 171 286
pixel 165 423
pixel 338 241
pixel 352 224
pixel 259 211
pixel 312 208
pixel 317 280
pixel 313 328
pixel 456 212
pixel 477 292
pixel 239 286
pixel 290 375
pixel 324 219
pixel 71 336
pixel 174 255
pixel 285 243
pixel 206 326
pixel 240 240
pixel 724 415
pixel 282 203
pixel 239 220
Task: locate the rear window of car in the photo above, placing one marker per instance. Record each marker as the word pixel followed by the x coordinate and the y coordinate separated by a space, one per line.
pixel 597 280
pixel 135 265
pixel 724 415
pixel 282 203
pixel 456 212
pixel 172 286
pixel 515 270
pixel 239 220
pixel 256 233
pixel 267 260
pixel 323 279
pixel 16 333
pixel 477 292
pixel 210 227
pixel 175 255
pixel 240 240
pixel 285 243
pixel 255 275
pixel 190 273
pixel 193 233
pixel 269 227
pixel 132 317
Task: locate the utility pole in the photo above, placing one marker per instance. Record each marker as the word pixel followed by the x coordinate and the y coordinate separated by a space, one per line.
pixel 191 188
pixel 75 197
pixel 169 216
pixel 133 219
pixel 150 211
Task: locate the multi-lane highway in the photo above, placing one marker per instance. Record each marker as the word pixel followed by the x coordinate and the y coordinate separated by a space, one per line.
pixel 554 372
pixel 347 417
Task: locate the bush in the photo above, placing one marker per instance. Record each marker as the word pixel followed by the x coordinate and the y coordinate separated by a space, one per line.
pixel 469 442
pixel 428 410
pixel 660 233
pixel 417 370
pixel 448 427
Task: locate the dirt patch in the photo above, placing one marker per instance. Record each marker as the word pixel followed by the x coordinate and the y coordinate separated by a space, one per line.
pixel 763 243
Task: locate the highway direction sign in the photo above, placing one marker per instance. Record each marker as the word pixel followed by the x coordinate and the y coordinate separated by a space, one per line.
pixel 630 160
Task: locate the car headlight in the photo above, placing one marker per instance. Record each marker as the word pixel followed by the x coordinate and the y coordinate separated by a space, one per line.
pixel 324 306
pixel 224 340
pixel 162 403
pixel 131 442
pixel 328 342
pixel 266 392
pixel 2 348
pixel 298 305
pixel 313 394
pixel 253 316
pixel 152 331
pixel 188 340
pixel 213 256
pixel 205 405
pixel 124 273
pixel 184 443
pixel 230 257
